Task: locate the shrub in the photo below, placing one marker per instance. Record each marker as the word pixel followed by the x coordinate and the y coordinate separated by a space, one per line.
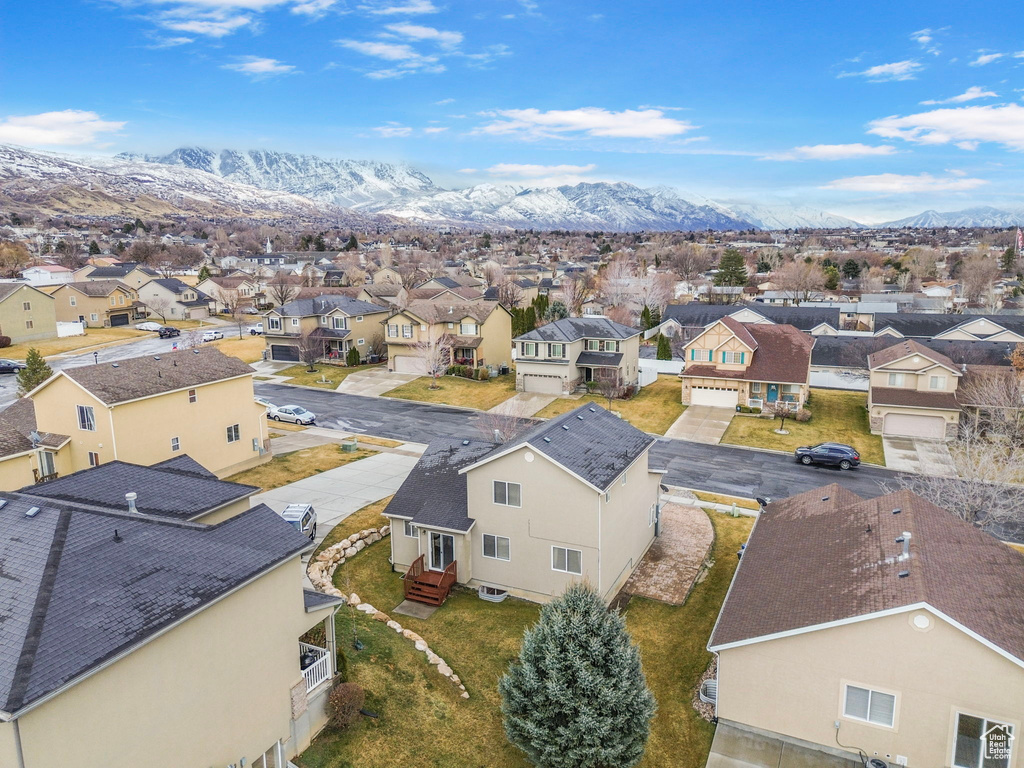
pixel 483 374
pixel 803 415
pixel 744 409
pixel 756 410
pixel 454 370
pixel 592 386
pixel 352 358
pixel 5 341
pixel 628 393
pixel 345 700
pixel 467 372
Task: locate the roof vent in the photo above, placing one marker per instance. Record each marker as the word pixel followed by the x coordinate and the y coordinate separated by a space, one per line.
pixel 565 427
pixel 3 503
pixel 465 442
pixel 897 511
pixel 32 512
pixel 905 541
pixel 117 536
pixel 824 498
pixel 114 365
pixel 903 574
pixel 156 357
pixel 195 351
pixel 130 497
pixel 592 409
pixel 547 439
pixel 579 417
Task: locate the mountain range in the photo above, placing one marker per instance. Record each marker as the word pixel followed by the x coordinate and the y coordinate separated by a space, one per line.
pixel 262 183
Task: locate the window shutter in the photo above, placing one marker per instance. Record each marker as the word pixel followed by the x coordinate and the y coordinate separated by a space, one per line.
pixel 743 356
pixel 692 353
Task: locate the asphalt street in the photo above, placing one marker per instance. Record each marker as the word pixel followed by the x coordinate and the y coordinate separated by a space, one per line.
pixel 716 468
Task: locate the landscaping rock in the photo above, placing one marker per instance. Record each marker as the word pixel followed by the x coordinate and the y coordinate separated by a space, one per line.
pixel 351 552
pixel 359 546
pixel 373 538
pixel 455 679
pixel 353 599
pixel 395 626
pixel 444 669
pixel 421 645
pixel 433 658
pixel 465 695
pixel 381 616
pixel 408 634
pixel 366 608
pixel 385 530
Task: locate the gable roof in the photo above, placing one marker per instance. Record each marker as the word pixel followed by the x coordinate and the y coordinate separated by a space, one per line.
pixel 739 330
pixel 323 305
pixel 571 329
pixel 9 289
pixel 137 377
pixel 443 311
pixel 117 271
pixel 17 423
pixel 828 556
pixel 700 315
pixel 94 585
pixel 783 354
pixel 853 351
pixel 176 286
pixel 905 348
pixel 96 288
pixel 931 325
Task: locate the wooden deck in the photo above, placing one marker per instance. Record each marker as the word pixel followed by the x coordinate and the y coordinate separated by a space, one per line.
pixel 425 586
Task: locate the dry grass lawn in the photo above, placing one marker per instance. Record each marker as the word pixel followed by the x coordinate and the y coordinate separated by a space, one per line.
pixel 92 338
pixel 653 409
pixel 383 442
pixel 248 349
pixel 422 721
pixel 455 390
pixel 287 426
pixel 839 417
pixel 720 498
pixel 335 374
pixel 289 467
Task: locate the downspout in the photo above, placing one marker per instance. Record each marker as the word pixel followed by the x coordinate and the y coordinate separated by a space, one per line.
pixel 599 552
pixel 113 434
pixel 18 751
pixel 332 642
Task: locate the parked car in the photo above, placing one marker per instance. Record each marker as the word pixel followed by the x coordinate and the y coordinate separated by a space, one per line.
pixel 265 403
pixel 212 335
pixel 829 454
pixel 250 311
pixel 296 414
pixel 256 330
pixel 10 366
pixel 303 517
pixel 149 326
pixel 169 332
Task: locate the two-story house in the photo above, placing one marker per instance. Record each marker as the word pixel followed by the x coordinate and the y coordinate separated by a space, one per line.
pixel 912 392
pixel 732 363
pixel 870 632
pixel 339 322
pixel 481 514
pixel 26 313
pixel 558 357
pixel 97 303
pixel 233 290
pixel 131 274
pixel 171 299
pixel 475 334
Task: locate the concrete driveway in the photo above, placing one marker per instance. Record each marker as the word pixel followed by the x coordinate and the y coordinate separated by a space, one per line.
pixel 374 382
pixel 701 424
pixel 523 404
pixel 918 455
pixel 337 493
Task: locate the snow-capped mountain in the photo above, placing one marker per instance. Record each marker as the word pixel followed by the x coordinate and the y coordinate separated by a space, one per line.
pixel 337 183
pixel 791 217
pixel 983 216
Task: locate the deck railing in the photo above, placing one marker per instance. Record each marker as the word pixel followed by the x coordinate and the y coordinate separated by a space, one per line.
pixel 319 671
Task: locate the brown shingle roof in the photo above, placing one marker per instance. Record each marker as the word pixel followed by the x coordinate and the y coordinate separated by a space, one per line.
pixel 146 376
pixel 739 330
pixel 97 287
pixel 444 311
pixel 827 555
pixel 908 347
pixel 17 422
pixel 913 398
pixel 783 354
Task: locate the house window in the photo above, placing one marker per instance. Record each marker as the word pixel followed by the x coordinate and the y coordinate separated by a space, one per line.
pixel 359 319
pixel 755 387
pixel 981 743
pixel 496 547
pixel 120 298
pixel 295 322
pixel 175 444
pixel 233 434
pixel 406 331
pixel 467 329
pixel 937 382
pixel 27 306
pixel 74 301
pixel 529 349
pixel 556 350
pixel 870 706
pixel 451 325
pixel 94 459
pixel 700 355
pixel 732 358
pixel 94 317
pixel 566 560
pixel 340 324
pixel 392 331
pixel 895 379
pixel 192 396
pixel 360 342
pixel 274 323
pixel 86 418
pixel 323 321
pixel 113 301
pixel 410 530
pixel 790 388
pixel 508 494
pixel 28 324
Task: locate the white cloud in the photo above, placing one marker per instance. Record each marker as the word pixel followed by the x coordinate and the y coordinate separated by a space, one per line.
pixel 209 24
pixel 972 93
pixel 67 128
pixel 880 73
pixel 393 130
pixel 832 152
pixel 587 121
pixel 313 7
pixel 259 68
pixel 895 183
pixel 468 170
pixel 386 51
pixel 926 39
pixel 985 58
pixel 436 129
pixel 413 7
pixel 999 123
pixel 530 171
pixel 220 18
pixel 172 42
pixel 444 39
pixel 442 102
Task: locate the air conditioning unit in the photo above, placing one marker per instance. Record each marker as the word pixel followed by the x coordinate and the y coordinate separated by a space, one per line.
pixel 875 762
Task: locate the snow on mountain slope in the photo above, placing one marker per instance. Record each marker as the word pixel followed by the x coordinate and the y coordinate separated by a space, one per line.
pixel 791 217
pixel 983 216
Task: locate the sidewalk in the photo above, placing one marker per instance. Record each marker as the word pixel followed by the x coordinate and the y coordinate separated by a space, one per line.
pixel 523 404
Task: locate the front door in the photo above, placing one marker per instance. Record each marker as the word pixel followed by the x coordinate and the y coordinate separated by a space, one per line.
pixel 773 393
pixel 442 551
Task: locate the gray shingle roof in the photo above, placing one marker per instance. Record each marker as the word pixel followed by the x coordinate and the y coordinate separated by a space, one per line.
pixel 313 600
pixel 322 305
pixel 929 325
pixel 852 352
pixel 600 359
pixel 573 328
pixel 117 271
pixel 146 376
pixel 93 585
pixel 186 465
pixel 96 287
pixel 17 423
pixel 700 315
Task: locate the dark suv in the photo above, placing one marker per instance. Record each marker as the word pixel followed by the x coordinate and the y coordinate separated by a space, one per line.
pixel 829 454
pixel 169 332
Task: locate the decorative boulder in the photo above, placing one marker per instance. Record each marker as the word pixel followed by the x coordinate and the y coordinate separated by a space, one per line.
pixel 351 552
pixel 408 634
pixel 444 669
pixel 353 599
pixel 381 616
pixel 359 546
pixel 392 624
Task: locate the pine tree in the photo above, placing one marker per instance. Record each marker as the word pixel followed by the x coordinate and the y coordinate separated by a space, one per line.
pixel 645 318
pixel 204 273
pixel 732 269
pixel 664 347
pixel 851 269
pixel 831 278
pixel 1008 259
pixel 578 698
pixel 35 372
pixel 352 243
pixel 94 248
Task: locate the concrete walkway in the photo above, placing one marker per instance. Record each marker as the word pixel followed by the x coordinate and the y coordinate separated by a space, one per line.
pixel 701 424
pixel 374 382
pixel 523 404
pixel 671 565
pixel 918 455
pixel 311 437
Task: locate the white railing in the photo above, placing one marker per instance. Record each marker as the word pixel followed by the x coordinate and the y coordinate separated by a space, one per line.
pixel 320 670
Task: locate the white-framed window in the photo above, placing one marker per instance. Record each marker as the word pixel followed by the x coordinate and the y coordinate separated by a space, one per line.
pixel 175 444
pixel 508 494
pixel 295 322
pixel 755 387
pixel 870 706
pixel 233 434
pixel 701 355
pixel 567 560
pixel 790 388
pixel 113 301
pixel 360 342
pixel 467 329
pixel 94 459
pixel 86 418
pixel 323 320
pixel 556 350
pixel 410 530
pixel 27 306
pixel 359 318
pixel 732 358
pixel 192 396
pixel 274 323
pixel 392 331
pixel 981 743
pixel 74 301
pixel 937 382
pixel 340 323
pixel 29 324
pixel 896 379
pixel 652 515
pixel 451 325
pixel 496 547
pixel 529 349
pixel 94 317
pixel 406 331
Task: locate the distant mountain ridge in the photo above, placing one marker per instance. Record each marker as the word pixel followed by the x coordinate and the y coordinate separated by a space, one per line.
pixel 983 216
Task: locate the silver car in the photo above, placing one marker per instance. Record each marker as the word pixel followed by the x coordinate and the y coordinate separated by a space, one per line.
pixel 302 517
pixel 296 414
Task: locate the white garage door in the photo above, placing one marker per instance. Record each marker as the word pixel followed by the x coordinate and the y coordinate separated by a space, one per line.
pixel 906 425
pixel 546 385
pixel 410 364
pixel 720 398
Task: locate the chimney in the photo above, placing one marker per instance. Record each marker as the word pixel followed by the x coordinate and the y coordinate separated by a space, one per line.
pixel 130 498
pixel 905 539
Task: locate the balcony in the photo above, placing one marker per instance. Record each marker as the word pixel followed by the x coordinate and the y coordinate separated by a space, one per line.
pixel 316 665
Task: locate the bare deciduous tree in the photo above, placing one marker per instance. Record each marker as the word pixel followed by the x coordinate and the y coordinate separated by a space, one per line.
pixel 281 289
pixel 504 425
pixel 436 352
pixel 993 398
pixel 311 348
pixel 160 306
pixel 510 293
pixel 690 262
pixel 977 276
pixel 799 280
pixel 575 292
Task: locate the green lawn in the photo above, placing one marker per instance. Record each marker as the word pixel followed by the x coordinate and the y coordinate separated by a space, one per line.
pixel 335 374
pixel 653 409
pixel 424 722
pixel 455 390
pixel 839 417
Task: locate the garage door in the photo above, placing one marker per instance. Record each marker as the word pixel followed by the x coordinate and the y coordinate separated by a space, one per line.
pixel 410 364
pixel 718 397
pixel 905 425
pixel 284 352
pixel 546 385
pixel 120 319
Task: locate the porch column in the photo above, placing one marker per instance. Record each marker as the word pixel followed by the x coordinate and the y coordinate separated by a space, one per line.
pixel 332 642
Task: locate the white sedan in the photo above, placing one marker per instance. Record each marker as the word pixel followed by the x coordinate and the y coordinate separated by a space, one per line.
pixel 212 335
pixel 296 414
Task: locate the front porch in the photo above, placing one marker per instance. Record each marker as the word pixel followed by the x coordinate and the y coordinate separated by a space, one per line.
pixel 767 393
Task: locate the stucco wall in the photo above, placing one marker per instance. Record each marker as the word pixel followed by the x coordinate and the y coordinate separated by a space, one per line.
pixel 42 313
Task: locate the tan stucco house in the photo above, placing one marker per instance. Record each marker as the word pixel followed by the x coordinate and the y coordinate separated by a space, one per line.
pixel 476 334
pixel 912 392
pixel 133 636
pixel 341 323
pixel 482 513
pixel 558 357
pixel 132 274
pixel 172 299
pixel 757 364
pixel 26 313
pixel 884 626
pixel 97 303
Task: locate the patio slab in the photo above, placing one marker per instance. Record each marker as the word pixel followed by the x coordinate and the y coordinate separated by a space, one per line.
pixel 671 565
pixel 416 610
pixel 374 382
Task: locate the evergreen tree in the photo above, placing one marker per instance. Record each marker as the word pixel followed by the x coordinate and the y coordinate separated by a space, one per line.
pixel 1007 261
pixel 352 243
pixel 319 244
pixel 529 319
pixel 645 318
pixel 664 347
pixel 851 269
pixel 94 248
pixel 35 372
pixel 578 698
pixel 655 317
pixel 204 273
pixel 732 269
pixel 831 278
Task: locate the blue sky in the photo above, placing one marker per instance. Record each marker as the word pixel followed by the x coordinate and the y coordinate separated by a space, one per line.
pixel 876 114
